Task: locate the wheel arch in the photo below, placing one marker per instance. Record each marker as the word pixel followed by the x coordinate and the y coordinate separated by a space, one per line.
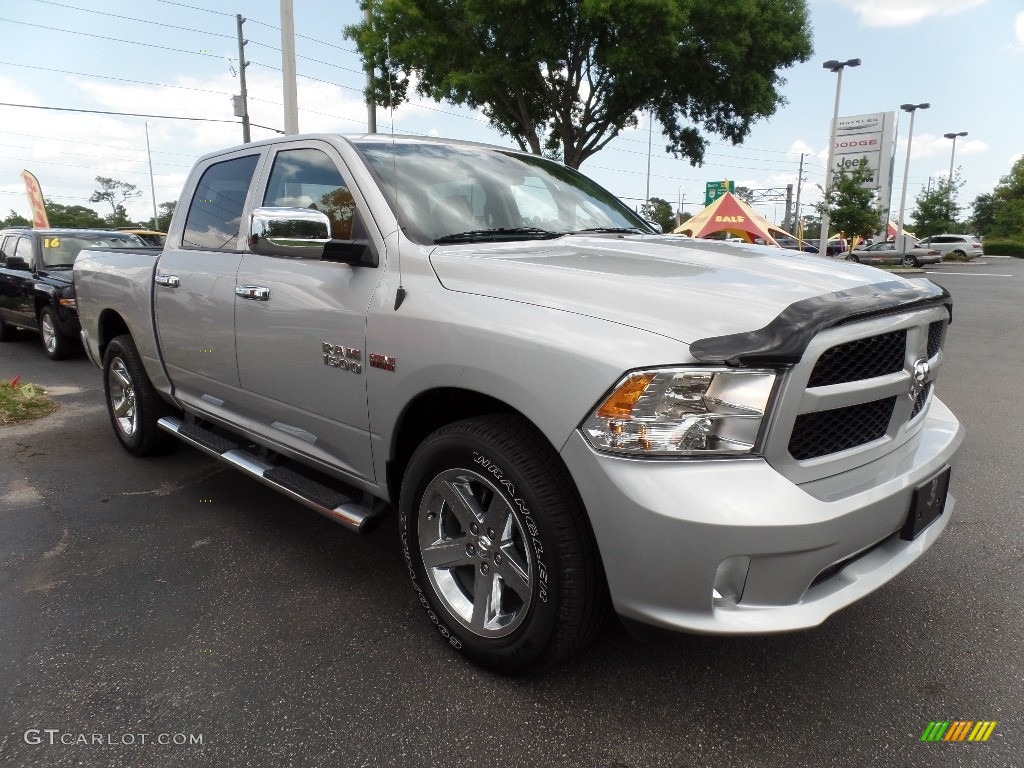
pixel 431 410
pixel 109 326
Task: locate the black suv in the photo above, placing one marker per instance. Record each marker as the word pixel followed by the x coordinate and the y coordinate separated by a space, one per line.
pixel 36 291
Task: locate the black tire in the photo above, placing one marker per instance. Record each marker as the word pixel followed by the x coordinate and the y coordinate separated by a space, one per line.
pixel 851 257
pixel 134 406
pixel 7 331
pixel 515 582
pixel 909 260
pixel 958 254
pixel 57 345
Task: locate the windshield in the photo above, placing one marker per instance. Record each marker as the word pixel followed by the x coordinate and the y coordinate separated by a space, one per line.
pixel 452 193
pixel 60 250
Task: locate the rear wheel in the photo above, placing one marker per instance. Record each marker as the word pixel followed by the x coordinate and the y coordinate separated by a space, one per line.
pixel 56 344
pixel 499 547
pixel 958 254
pixel 909 260
pixel 134 406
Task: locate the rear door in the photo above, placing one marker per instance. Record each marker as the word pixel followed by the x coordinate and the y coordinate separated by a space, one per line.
pixel 195 284
pixel 300 324
pixel 17 299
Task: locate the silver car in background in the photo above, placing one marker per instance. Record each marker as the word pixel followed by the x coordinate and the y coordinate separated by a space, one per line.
pixel 954 245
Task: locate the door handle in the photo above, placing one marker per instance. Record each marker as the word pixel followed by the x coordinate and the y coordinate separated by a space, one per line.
pixel 252 292
pixel 171 281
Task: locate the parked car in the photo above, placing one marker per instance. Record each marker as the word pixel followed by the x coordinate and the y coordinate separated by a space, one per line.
pixel 954 245
pixel 886 253
pixel 35 282
pixel 148 236
pixel 791 243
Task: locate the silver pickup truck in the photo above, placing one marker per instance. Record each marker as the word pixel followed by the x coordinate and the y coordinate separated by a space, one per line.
pixel 568 412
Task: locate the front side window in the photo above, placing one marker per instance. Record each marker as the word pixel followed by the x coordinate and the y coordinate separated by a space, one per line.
pixel 24 249
pixel 308 178
pixel 215 215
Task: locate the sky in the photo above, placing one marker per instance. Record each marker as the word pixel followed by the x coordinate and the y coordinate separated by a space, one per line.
pixel 157 57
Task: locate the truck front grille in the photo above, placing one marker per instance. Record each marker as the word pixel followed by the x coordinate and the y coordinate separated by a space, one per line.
pixel 860 390
pixel 824 432
pixel 860 359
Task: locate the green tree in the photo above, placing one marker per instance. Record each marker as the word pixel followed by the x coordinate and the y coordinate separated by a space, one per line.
pixel 1008 198
pixel 850 205
pixel 983 218
pixel 116 194
pixel 15 219
pixel 163 219
pixel 572 74
pixel 936 210
pixel 78 216
pixel 660 211
pixel 746 194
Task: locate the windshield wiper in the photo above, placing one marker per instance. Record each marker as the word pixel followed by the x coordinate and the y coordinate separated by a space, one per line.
pixel 610 230
pixel 499 233
pixel 56 267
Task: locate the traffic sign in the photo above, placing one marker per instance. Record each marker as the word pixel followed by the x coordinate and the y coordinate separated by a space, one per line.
pixel 715 189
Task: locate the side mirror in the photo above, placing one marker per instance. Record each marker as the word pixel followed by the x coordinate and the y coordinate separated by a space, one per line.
pixel 303 233
pixel 654 225
pixel 16 262
pixel 298 233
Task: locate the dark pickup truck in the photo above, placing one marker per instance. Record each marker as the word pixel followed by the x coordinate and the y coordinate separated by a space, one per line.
pixel 35 282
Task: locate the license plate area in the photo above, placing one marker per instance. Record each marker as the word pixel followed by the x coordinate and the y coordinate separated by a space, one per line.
pixel 927 505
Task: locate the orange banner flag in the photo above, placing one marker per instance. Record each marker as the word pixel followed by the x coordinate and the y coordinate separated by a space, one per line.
pixel 35 200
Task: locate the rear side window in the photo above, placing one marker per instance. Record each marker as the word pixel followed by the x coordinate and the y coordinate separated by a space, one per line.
pixel 215 216
pixel 7 247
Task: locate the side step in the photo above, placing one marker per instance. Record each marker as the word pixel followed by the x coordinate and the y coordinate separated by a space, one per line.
pixel 361 517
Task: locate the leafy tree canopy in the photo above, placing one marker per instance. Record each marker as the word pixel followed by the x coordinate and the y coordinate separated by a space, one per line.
pixel 15 219
pixel 660 211
pixel 116 194
pixel 73 216
pixel 1001 213
pixel 572 74
pixel 936 210
pixel 166 211
pixel 850 205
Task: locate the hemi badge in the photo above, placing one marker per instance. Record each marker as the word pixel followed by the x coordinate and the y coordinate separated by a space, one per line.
pixel 382 361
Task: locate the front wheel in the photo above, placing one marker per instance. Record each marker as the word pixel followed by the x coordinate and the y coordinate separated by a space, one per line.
pixel 851 257
pixel 499 547
pixel 909 260
pixel 56 344
pixel 132 402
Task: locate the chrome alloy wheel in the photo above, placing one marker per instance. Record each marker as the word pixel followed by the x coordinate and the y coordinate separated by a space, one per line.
pixel 475 552
pixel 122 398
pixel 49 333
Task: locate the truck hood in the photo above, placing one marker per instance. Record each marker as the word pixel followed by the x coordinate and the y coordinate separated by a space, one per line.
pixel 669 285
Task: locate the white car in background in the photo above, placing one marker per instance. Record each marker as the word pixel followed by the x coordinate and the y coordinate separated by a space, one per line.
pixel 954 245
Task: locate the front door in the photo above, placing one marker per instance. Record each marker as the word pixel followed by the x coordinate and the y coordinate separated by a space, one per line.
pixel 300 324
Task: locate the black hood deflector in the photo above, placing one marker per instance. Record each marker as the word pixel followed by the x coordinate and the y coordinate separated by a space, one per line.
pixel 784 340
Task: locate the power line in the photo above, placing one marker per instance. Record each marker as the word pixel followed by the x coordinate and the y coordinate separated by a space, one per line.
pixel 134 114
pixel 109 77
pixel 133 18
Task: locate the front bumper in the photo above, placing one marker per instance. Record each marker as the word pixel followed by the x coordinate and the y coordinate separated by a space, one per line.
pixel 664 528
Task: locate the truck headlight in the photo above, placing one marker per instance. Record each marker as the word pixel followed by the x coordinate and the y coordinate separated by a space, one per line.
pixel 682 412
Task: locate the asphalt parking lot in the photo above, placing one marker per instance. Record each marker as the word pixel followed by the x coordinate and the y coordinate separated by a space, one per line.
pixel 174 602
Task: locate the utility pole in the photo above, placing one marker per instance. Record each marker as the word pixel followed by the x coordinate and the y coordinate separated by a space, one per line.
pixel 789 208
pixel 152 184
pixel 291 99
pixel 242 64
pixel 799 186
pixel 371 102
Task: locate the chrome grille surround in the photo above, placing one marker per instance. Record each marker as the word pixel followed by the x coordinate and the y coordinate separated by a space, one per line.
pixel 795 399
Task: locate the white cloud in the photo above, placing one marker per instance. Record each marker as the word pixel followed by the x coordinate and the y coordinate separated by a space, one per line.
pixel 900 13
pixel 1019 27
pixel 932 145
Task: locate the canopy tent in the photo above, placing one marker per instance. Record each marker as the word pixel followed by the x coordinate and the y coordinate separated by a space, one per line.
pixel 730 214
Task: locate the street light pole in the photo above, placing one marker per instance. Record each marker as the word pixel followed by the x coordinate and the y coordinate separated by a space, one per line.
pixel 679 208
pixel 833 66
pixel 952 154
pixel 911 108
